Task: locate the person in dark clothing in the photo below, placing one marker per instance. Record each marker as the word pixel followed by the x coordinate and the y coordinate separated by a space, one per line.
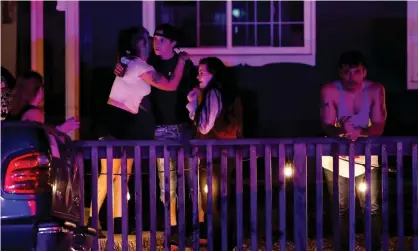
pixel 7 84
pixel 171 115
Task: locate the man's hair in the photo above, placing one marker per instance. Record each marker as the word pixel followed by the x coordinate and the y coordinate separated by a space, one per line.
pixel 352 58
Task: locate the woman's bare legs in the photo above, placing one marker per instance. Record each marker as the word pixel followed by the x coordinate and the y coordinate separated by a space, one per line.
pixel 102 185
pixel 117 189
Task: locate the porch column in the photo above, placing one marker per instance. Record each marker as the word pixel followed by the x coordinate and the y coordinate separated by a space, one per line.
pixel 148 15
pixel 72 62
pixel 412 40
pixel 37 36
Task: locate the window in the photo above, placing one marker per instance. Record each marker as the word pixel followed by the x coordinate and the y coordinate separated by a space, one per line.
pixel 412 40
pixel 252 32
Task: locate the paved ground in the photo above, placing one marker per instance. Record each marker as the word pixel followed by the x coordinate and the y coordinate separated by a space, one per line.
pixel 311 243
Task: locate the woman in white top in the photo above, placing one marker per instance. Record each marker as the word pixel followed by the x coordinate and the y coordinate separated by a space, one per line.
pixel 129 115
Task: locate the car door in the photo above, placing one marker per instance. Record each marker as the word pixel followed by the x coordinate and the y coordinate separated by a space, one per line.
pixel 65 178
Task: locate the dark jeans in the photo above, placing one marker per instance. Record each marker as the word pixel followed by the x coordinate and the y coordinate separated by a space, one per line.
pixel 343 185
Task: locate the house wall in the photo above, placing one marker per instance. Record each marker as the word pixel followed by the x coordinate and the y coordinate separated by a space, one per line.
pixel 281 100
pixel 8 41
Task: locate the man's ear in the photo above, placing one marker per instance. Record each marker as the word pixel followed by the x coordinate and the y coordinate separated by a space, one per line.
pixel 365 73
pixel 174 43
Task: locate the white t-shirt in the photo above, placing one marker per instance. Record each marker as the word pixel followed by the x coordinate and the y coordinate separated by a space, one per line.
pixel 131 89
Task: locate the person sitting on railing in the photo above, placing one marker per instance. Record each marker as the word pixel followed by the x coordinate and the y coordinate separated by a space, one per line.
pixel 354 107
pixel 216 110
pixel 129 115
pixel 27 99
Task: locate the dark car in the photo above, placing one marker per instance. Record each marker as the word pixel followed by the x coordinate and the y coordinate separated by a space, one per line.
pixel 40 190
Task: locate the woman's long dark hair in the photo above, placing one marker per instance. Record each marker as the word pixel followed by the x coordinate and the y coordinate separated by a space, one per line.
pixel 27 86
pixel 128 40
pixel 223 82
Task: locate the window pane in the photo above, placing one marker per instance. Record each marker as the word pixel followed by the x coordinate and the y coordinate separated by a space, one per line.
pixel 291 11
pixel 212 29
pixel 268 23
pixel 243 35
pixel 212 13
pixel 242 11
pixel 206 27
pixel 180 14
pixel 213 35
pixel 265 11
pixel 291 35
pixel 265 35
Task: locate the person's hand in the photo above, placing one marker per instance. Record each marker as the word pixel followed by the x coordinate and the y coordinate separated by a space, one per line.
pixel 355 134
pixel 352 133
pixel 346 124
pixel 193 94
pixel 69 125
pixel 119 70
pixel 184 55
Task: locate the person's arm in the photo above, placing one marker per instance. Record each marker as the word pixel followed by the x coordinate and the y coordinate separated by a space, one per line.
pixel 35 115
pixel 215 107
pixel 329 113
pixel 378 114
pixel 158 80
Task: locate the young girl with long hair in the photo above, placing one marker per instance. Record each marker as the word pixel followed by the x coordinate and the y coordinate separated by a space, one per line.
pixel 215 108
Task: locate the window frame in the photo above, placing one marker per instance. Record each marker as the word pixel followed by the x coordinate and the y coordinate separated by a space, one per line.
pixel 412 45
pixel 254 55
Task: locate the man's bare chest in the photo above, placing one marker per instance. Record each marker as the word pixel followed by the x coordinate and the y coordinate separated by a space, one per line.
pixel 353 103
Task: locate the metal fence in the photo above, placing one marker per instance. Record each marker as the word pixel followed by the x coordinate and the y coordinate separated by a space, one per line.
pixel 275 154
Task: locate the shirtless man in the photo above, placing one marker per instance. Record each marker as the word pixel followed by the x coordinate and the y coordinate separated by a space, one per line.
pixel 353 107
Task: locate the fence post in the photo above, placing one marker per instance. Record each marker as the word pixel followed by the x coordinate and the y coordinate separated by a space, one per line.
pixel 300 210
pixel 399 195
